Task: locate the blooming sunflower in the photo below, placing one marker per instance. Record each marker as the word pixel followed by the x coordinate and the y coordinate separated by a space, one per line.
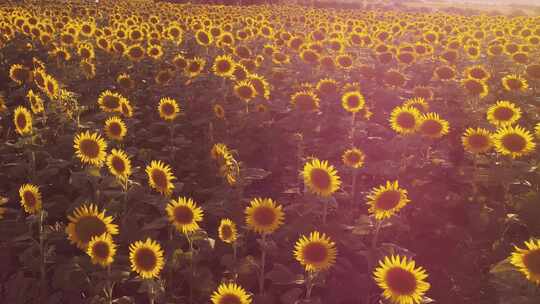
pixel 514 83
pixel 184 214
pixel 402 282
pixel 353 158
pixel 119 164
pixel 110 101
pixel 477 140
pixel 125 107
pixel 227 231
pixel 203 38
pixel 22 118
pixel 263 215
pixel 230 293
pixel 146 258
pixel 168 108
pixel 195 67
pixel 353 101
pixel 90 148
pixel 245 90
pixel 101 250
pixel 19 74
pixel 261 85
pixel 306 101
pixel 155 51
pixel 327 86
pixel 36 102
pixel 477 72
pixel 223 66
pixel 528 260
pixel 503 113
pixel 52 88
pixel 135 52
pixel 87 222
pixel 405 120
pixel 387 200
pixel 30 198
pixel 115 128
pixel 475 87
pixel 160 177
pixel 514 141
pixel 431 125
pixel 316 252
pixel 419 103
pixel 321 178
pixel 124 80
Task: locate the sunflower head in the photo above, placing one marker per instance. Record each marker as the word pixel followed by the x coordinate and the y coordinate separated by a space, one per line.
pixel 401 281
pixel 514 141
pixel 353 101
pixel 327 87
pixel 19 74
pixel 264 216
pixel 386 200
pixel 115 128
pixel 321 178
pixel 195 67
pixel 527 260
pixel 160 177
pixel 87 222
pixel 515 83
pixel 101 250
pixel 90 148
pixel 432 126
pixel 119 164
pixel 315 252
pixel 230 293
pixel 184 214
pixel 168 108
pixel 477 140
pixel 22 118
pixel 30 198
pixel 227 231
pixel 503 113
pixel 109 101
pixel 405 120
pixel 394 78
pixel 305 101
pixel 146 258
pixel 353 158
pixel 419 103
pixel 223 66
pixel 245 90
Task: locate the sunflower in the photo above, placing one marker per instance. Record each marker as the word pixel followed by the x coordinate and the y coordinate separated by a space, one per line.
pixel 101 250
pixel 154 51
pixel 423 92
pixel 327 86
pixel 387 200
pixel 110 101
pixel 219 111
pixel 321 178
pixel 431 125
pixel 316 252
pixel 30 198
pixel 19 73
pixel 394 78
pixel 353 101
pixel 22 118
pixel 184 214
pixel 503 113
pixel 417 102
pixel 402 282
pixel 405 120
pixel 195 67
pixel 445 73
pixel 475 87
pixel 477 72
pixel 527 261
pixel 90 148
pixel 135 52
pixel 515 83
pixel 146 258
pixel 513 141
pixel 264 216
pixel 261 85
pixel 168 108
pixel 204 38
pixel 310 57
pixel 230 293
pixel 125 107
pixel 39 76
pixel 477 140
pixel 160 177
pixel 52 88
pixel 306 101
pixel 227 231
pixel 88 68
pixel 223 66
pixel 245 90
pixel 119 164
pixel 353 158
pixel 115 128
pixel 87 222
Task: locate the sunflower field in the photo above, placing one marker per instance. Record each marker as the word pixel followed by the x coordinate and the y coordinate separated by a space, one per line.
pixel 154 152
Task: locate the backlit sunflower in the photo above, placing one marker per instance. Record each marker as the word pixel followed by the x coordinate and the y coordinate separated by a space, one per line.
pixel 527 260
pixel 515 83
pixel 514 141
pixel 87 222
pixel 386 200
pixel 22 118
pixel 264 216
pixel 503 113
pixel 316 252
pixel 30 198
pixel 475 87
pixel 19 74
pixel 115 128
pixel 90 148
pixel 227 231
pixel 321 178
pixel 223 66
pixel 119 164
pixel 168 108
pixel 109 101
pixel 477 140
pixel 431 125
pixel 353 158
pixel 184 214
pixel 402 282
pixel 305 101
pixel 245 90
pixel 353 101
pixel 160 177
pixel 230 293
pixel 101 250
pixel 405 120
pixel 146 258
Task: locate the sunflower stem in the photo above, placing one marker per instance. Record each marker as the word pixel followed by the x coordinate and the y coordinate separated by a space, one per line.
pixel 235 249
pixel 43 258
pixel 309 284
pixel 263 262
pixel 109 292
pixel 376 235
pixel 191 267
pixel 171 131
pixel 353 185
pixel 475 172
pixel 151 294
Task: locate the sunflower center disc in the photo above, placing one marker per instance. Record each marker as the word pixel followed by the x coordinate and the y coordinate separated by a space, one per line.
pixel 401 281
pixel 88 227
pixel 388 200
pixel 229 299
pixel 21 121
pixel 29 199
pixel 118 164
pixel 532 261
pixel 159 178
pixel 478 141
pixel 101 250
pixel 90 148
pixel 264 216
pixel 145 259
pixel 514 142
pixel 183 215
pixel 315 253
pixel 503 113
pixel 320 178
pixel 431 127
pixel 111 102
pixel 406 120
pixel 226 232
